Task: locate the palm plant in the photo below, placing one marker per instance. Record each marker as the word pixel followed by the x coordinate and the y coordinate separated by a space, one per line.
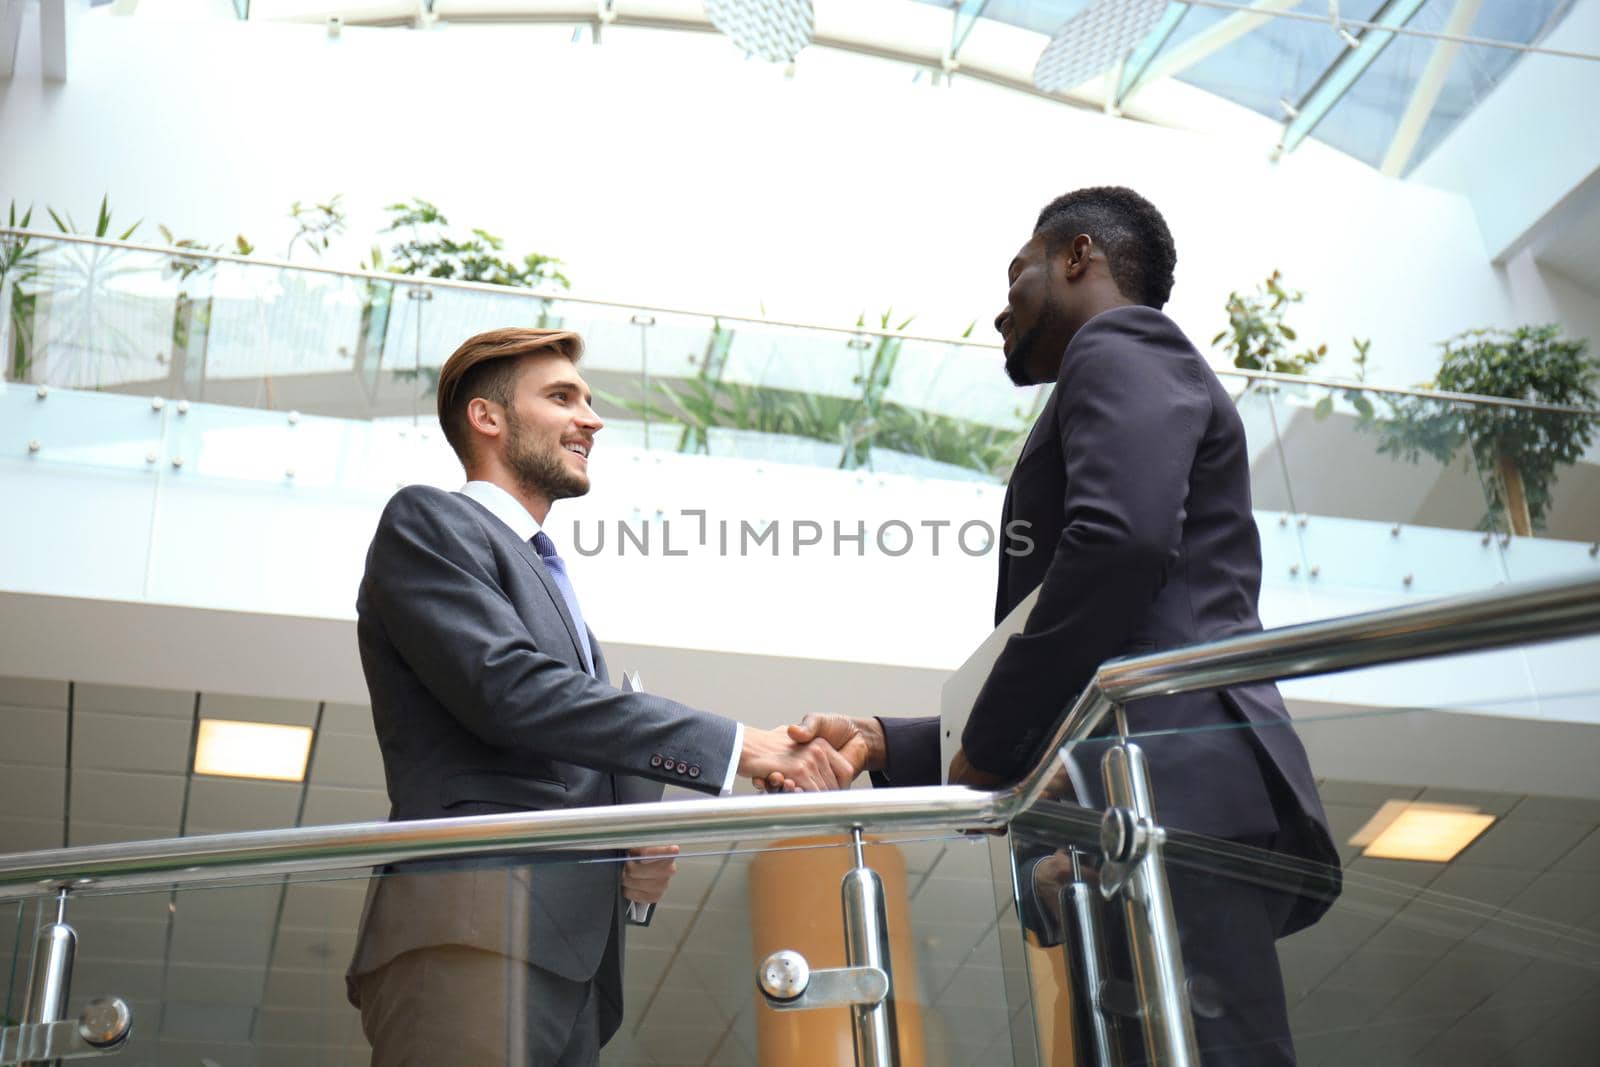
pixel 19 269
pixel 81 279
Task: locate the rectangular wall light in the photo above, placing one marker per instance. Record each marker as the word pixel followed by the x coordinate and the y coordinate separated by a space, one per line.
pixel 1432 833
pixel 272 751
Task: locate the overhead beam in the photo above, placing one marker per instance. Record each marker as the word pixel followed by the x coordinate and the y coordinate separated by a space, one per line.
pixel 1138 62
pixel 1429 86
pixel 1346 70
pixel 10 35
pixel 53 39
pixel 966 14
pixel 1204 45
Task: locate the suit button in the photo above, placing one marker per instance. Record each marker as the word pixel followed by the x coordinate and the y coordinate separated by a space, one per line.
pixel 694 772
pixel 655 761
pixel 682 768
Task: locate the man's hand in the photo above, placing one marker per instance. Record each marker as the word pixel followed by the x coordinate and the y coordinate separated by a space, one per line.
pixel 964 773
pixel 859 743
pixel 645 879
pixel 771 755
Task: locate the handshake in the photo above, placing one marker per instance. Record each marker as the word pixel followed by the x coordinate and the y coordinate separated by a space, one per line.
pixel 821 752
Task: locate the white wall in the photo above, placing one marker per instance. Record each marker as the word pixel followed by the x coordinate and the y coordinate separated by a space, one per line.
pixel 1531 142
pixel 665 168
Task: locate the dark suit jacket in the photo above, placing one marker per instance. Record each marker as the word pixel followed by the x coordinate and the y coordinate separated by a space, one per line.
pixel 482 705
pixel 1134 488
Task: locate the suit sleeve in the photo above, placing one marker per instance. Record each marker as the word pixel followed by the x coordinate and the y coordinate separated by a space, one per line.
pixel 1132 414
pixel 432 586
pixel 911 753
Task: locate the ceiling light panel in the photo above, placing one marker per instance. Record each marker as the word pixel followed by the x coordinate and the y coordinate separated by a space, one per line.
pixel 1094 41
pixel 775 30
pixel 1431 833
pixel 269 751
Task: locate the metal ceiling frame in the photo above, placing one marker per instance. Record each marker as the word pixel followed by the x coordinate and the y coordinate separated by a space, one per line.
pixel 1331 86
pixel 1426 94
pixel 1132 76
pixel 1204 45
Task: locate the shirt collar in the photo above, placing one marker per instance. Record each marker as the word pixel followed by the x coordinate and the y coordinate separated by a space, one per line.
pixel 503 506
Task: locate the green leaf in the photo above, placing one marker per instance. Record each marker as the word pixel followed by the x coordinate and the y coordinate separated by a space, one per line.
pixel 1324 407
pixel 1288 333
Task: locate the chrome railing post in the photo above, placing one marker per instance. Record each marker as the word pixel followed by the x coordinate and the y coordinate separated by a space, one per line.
pixel 866 944
pixel 1133 870
pixel 1084 937
pixel 50 983
pixel 45 1035
pixel 865 984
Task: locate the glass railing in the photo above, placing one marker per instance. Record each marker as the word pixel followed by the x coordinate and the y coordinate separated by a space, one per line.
pixel 97 315
pixel 259 972
pixel 1496 489
pixel 1016 949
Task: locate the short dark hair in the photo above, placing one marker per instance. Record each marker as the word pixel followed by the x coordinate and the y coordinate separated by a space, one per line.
pixel 1127 227
pixel 486 365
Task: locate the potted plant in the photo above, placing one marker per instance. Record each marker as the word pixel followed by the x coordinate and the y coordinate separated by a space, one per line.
pixel 19 268
pixel 1519 451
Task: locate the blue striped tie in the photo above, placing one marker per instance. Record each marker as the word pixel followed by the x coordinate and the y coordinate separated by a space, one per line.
pixel 558 570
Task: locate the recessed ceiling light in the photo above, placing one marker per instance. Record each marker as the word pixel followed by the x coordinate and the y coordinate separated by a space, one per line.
pixel 1432 833
pixel 252 750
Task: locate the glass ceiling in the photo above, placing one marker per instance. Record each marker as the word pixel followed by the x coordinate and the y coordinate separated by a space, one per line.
pixel 1284 58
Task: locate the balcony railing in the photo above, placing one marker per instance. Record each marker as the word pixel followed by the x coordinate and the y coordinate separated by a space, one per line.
pixel 72 881
pixel 90 313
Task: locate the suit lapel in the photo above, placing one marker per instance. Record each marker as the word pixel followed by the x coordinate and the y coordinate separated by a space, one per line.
pixel 525 550
pixel 1043 427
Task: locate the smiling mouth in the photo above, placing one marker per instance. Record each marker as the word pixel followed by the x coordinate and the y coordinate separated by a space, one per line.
pixel 578 448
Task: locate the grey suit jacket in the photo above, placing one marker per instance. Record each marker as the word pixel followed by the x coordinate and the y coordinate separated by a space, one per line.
pixel 1134 488
pixel 482 705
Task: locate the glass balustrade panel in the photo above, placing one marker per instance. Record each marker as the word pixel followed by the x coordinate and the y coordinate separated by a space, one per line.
pixel 1391 503
pixel 93 463
pixel 1284 572
pixel 1467 928
pixel 258 971
pixel 83 316
pixel 1541 471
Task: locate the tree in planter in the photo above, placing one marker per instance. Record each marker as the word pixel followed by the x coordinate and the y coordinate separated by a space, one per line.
pixel 1257 338
pixel 316 225
pixel 1519 451
pixel 430 251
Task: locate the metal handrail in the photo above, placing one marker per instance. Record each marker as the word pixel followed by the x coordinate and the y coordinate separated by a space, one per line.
pixel 1514 615
pixel 848 331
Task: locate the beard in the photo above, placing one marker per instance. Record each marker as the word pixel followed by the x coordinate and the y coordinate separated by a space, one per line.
pixel 1027 352
pixel 541 467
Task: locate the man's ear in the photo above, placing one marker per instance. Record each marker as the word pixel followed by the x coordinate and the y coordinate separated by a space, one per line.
pixel 485 418
pixel 1077 256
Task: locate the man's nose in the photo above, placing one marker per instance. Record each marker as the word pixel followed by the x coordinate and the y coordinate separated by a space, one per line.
pixel 589 420
pixel 1000 319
